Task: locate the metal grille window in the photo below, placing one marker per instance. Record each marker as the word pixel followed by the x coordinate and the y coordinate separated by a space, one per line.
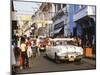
pixel 58 7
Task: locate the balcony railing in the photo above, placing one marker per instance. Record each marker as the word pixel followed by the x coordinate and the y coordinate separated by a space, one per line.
pixel 59 14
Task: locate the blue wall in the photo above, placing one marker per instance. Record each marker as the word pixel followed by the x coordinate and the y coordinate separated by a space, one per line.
pixel 72 10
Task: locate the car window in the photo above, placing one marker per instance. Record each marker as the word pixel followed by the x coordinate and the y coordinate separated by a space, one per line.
pixel 72 43
pixel 63 42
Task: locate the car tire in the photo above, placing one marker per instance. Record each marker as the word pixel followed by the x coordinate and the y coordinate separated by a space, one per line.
pixel 78 61
pixel 56 59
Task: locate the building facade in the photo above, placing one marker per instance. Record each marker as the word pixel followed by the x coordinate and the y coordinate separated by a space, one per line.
pixel 14 25
pixel 60 21
pixel 43 19
pixel 85 19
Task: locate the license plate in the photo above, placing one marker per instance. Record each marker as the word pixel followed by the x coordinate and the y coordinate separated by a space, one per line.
pixel 42 48
pixel 71 59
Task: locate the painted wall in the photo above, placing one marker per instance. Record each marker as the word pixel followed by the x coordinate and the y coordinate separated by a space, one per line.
pixel 71 15
pixel 72 10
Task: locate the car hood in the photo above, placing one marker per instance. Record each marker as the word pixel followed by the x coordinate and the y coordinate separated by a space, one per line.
pixel 72 48
pixel 69 49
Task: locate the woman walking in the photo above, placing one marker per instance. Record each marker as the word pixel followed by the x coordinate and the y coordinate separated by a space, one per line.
pixel 23 53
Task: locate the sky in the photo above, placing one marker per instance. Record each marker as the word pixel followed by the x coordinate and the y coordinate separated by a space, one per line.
pixel 25 8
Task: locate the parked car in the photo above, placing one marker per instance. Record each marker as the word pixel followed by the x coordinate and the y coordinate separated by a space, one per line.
pixel 64 49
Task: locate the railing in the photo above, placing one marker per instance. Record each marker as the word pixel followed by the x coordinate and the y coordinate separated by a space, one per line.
pixel 59 14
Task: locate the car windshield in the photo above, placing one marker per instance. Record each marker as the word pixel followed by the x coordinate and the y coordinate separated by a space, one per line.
pixel 63 42
pixel 72 43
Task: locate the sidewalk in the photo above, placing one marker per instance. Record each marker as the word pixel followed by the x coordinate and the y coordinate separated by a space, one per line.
pixel 93 57
pixel 90 61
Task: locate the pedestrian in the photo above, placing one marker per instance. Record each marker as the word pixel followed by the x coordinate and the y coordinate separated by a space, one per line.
pixel 80 41
pixel 24 53
pixel 29 54
pixel 28 45
pixel 37 47
pixel 33 47
pixel 27 41
pixel 13 61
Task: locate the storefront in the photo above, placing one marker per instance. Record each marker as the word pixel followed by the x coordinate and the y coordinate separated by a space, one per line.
pixel 88 34
pixel 59 29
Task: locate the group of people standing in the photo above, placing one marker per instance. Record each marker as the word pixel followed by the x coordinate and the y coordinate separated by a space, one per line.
pixel 25 53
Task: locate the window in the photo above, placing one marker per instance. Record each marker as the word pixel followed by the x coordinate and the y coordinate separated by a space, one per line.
pixel 58 7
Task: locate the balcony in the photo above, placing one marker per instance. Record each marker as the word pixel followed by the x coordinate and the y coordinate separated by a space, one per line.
pixel 59 14
pixel 86 11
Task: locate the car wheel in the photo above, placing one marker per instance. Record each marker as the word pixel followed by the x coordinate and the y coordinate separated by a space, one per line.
pixel 56 58
pixel 78 61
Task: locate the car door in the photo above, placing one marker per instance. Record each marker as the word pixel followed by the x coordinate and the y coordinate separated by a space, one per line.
pixel 54 50
pixel 49 52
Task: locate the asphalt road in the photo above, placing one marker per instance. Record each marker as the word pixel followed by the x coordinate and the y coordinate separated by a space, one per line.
pixel 44 64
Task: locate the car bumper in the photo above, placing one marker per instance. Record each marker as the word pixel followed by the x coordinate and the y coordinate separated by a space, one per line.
pixel 70 58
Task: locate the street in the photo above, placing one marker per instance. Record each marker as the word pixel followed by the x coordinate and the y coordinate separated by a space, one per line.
pixel 65 31
pixel 44 64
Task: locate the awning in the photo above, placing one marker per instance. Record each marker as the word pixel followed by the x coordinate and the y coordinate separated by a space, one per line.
pixel 57 30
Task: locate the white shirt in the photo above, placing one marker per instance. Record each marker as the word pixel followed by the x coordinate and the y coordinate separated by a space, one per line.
pixel 29 51
pixel 13 61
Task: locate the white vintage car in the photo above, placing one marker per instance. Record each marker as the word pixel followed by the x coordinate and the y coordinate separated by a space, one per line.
pixel 64 49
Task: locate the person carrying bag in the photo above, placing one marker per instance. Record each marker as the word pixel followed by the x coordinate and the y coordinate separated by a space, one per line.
pixel 29 54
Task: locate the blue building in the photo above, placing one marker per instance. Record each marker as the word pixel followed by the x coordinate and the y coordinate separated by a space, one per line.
pixel 85 18
pixel 82 22
pixel 75 29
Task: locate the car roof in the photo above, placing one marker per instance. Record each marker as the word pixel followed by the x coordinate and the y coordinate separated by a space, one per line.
pixel 62 39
